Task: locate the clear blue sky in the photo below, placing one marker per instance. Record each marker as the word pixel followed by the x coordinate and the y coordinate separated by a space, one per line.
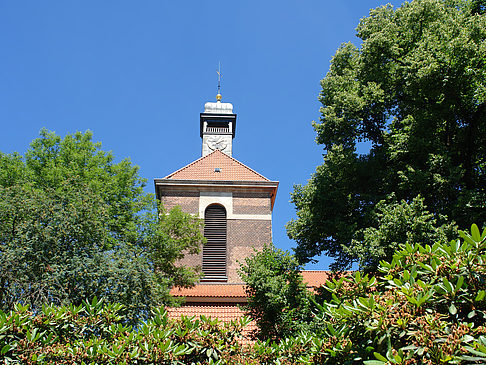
pixel 137 74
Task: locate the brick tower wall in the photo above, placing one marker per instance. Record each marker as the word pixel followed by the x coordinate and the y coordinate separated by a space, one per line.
pixel 252 203
pixel 187 200
pixel 244 236
pixel 244 232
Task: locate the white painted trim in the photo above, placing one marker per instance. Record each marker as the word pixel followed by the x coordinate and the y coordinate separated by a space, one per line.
pixel 260 217
pixel 206 198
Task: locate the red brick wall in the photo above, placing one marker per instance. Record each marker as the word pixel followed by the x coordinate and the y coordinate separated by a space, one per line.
pixel 192 260
pixel 251 203
pixel 187 200
pixel 244 235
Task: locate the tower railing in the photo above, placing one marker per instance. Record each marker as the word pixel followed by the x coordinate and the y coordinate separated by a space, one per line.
pixel 217 130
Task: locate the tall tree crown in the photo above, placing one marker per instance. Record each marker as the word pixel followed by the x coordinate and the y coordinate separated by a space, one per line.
pixel 415 90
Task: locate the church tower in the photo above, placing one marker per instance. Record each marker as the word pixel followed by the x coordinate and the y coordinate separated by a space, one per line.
pixel 235 201
pixel 236 204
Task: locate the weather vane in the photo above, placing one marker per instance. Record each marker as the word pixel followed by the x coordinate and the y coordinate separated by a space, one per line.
pixel 218 97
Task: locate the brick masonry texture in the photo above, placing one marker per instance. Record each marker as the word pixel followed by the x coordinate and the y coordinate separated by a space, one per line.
pixel 224 312
pixel 248 203
pixel 243 236
pixel 192 260
pixel 187 200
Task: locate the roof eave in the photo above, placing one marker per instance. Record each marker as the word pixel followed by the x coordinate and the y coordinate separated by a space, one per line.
pixel 273 185
pixel 213 299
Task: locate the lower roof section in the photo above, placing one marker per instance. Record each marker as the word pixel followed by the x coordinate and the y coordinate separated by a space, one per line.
pixel 315 278
pixel 222 311
pixel 223 301
pixel 235 293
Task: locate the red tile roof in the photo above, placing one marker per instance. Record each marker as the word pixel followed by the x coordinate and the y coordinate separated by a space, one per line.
pixel 312 278
pixel 225 313
pixel 211 290
pixel 204 169
pixel 315 278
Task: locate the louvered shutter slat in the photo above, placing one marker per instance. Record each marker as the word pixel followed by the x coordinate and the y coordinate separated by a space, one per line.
pixel 214 251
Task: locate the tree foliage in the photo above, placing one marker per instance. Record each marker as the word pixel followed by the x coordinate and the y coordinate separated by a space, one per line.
pixel 95 332
pixel 428 306
pixel 415 92
pixel 397 223
pixel 74 224
pixel 277 297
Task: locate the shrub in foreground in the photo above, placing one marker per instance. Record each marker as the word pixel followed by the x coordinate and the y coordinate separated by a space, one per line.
pixel 94 333
pixel 428 306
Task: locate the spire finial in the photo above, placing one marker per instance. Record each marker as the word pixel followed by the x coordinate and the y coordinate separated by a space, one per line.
pixel 219 97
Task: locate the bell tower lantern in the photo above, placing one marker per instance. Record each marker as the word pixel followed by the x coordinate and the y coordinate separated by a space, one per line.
pixel 217 127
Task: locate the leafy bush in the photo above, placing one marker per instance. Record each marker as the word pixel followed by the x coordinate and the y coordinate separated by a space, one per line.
pixel 428 306
pixel 94 333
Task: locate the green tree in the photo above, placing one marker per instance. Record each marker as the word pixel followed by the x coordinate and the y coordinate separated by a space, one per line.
pixel 74 224
pixel 277 297
pixel 414 91
pixel 397 223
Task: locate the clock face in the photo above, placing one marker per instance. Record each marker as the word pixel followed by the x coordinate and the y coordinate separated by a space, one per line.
pixel 216 143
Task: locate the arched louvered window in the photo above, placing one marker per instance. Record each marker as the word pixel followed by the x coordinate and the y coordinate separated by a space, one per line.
pixel 214 251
